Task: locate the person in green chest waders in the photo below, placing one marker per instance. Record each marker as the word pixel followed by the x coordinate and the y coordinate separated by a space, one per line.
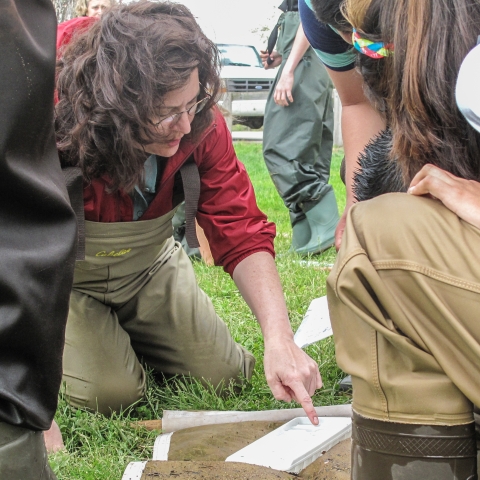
pixel 298 134
pixel 137 114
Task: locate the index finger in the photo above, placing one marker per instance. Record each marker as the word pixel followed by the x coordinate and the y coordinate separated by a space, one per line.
pixel 303 398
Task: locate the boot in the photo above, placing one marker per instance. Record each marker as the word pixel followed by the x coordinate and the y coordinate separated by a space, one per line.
pixel 322 220
pixel 476 417
pixel 301 234
pixel 23 455
pixel 398 451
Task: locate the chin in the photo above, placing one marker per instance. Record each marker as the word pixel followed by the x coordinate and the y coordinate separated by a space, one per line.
pixel 162 150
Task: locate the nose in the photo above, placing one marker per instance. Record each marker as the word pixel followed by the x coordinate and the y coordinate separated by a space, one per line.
pixel 184 124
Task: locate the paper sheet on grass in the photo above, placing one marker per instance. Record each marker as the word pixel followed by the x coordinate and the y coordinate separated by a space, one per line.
pixel 315 325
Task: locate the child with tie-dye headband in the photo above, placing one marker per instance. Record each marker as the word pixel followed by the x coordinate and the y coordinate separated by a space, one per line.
pixel 403 294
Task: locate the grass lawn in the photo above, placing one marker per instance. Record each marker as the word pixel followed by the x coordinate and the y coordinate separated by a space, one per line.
pixel 99 448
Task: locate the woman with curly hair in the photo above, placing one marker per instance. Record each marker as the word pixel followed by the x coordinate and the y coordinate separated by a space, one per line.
pixel 136 113
pixel 404 291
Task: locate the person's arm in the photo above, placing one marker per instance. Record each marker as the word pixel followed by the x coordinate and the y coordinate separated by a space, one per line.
pixel 241 240
pixel 283 91
pixel 290 372
pixel 459 195
pixel 360 122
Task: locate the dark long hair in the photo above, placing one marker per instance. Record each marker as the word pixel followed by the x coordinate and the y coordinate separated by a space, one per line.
pixel 329 12
pixel 416 85
pixel 112 79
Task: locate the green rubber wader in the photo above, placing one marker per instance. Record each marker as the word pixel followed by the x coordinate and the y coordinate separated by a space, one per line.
pixel 298 139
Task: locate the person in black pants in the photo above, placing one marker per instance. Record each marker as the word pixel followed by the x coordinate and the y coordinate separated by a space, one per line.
pixel 37 240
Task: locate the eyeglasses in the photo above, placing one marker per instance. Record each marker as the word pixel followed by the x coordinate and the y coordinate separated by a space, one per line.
pixel 172 120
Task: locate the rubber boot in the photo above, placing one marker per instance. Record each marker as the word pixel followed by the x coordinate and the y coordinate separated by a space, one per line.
pixel 398 451
pixel 301 234
pixel 476 417
pixel 23 455
pixel 322 219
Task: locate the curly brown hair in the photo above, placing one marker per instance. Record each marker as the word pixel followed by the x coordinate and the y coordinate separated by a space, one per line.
pixel 113 78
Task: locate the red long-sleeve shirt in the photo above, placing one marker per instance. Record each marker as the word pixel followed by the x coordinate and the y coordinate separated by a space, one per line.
pixel 227 208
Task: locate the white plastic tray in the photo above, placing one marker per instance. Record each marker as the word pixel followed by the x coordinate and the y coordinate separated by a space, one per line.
pixel 134 471
pixel 295 445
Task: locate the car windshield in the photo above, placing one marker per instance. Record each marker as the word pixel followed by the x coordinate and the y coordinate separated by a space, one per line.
pixel 239 55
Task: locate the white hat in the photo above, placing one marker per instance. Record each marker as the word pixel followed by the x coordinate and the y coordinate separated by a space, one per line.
pixel 468 88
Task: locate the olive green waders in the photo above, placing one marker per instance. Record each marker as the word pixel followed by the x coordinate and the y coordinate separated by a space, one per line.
pixel 135 297
pixel 297 146
pixel 403 299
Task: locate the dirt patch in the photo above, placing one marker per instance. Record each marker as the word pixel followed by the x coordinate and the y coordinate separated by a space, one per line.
pixel 199 452
pixel 210 470
pixel 333 465
pixel 216 442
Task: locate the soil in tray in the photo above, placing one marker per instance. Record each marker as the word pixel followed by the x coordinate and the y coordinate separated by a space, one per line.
pixel 202 450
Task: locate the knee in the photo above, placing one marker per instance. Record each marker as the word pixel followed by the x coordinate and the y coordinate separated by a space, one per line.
pixel 105 394
pixel 236 373
pixel 235 368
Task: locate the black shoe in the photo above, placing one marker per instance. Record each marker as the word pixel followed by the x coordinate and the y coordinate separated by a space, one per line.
pixel 345 385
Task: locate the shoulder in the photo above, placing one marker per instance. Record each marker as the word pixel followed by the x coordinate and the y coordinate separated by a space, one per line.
pixel 217 130
pixel 215 150
pixel 66 30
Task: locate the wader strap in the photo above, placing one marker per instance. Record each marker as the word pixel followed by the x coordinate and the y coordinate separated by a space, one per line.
pixel 191 189
pixel 286 6
pixel 289 6
pixel 272 40
pixel 74 182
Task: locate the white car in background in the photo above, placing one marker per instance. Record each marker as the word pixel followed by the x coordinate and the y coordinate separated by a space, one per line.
pixel 245 82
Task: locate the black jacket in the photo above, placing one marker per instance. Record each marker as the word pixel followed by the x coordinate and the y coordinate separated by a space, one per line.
pixel 37 225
